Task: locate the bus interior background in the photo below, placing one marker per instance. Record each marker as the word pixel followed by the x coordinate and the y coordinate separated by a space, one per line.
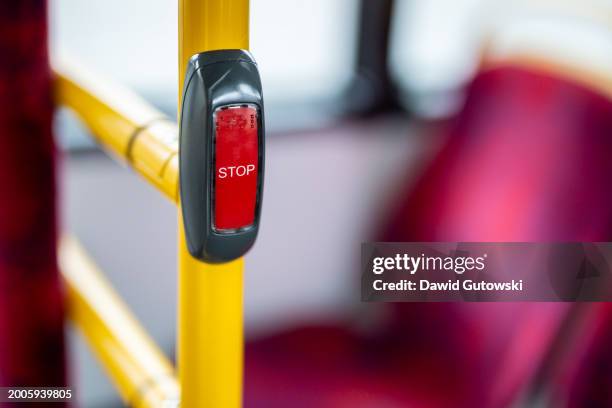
pixel 363 99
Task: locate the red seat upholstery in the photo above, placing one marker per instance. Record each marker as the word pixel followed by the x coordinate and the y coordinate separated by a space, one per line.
pixel 528 159
pixel 31 309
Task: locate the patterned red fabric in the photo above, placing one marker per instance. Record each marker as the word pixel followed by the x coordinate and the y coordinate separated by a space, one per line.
pixel 528 159
pixel 31 322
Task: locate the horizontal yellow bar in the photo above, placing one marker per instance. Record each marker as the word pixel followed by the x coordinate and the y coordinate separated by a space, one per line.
pixel 123 124
pixel 143 375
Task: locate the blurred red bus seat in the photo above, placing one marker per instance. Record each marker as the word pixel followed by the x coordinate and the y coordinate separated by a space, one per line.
pixel 527 160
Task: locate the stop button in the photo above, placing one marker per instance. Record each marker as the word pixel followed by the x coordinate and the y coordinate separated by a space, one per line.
pixel 221 154
pixel 236 167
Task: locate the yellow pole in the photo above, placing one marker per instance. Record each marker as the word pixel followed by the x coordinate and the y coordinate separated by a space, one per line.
pixel 210 333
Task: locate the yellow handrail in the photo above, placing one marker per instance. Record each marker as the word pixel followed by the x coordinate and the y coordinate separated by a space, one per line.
pixel 123 123
pixel 143 375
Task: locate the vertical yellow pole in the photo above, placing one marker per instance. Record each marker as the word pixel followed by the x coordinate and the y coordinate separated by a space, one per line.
pixel 210 332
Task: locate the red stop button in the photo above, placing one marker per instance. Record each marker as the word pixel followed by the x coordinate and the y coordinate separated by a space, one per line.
pixel 236 167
